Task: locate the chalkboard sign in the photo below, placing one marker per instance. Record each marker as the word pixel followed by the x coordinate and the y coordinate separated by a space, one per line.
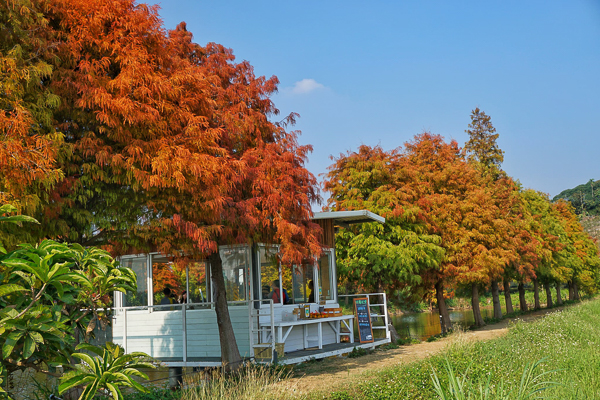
pixel 363 319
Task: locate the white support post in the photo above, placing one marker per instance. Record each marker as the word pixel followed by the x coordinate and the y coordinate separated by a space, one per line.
pixel 184 323
pixel 125 330
pixel 387 326
pixel 273 328
pixel 251 330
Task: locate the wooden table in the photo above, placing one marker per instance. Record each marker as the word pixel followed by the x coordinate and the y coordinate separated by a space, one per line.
pixel 334 322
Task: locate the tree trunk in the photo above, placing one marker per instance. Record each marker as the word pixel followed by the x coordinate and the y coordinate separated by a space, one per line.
pixel 576 291
pixel 230 354
pixel 496 300
pixel 445 323
pixel 522 302
pixel 347 293
pixel 475 304
pixel 558 297
pixel 571 291
pixel 548 295
pixel 536 295
pixel 507 299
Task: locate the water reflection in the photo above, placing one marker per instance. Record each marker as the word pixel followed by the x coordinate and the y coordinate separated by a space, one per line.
pixel 423 325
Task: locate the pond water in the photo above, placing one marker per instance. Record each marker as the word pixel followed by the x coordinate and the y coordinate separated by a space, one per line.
pixel 423 325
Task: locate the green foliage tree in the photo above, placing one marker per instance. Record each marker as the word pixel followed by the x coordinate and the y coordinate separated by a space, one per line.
pixel 51 296
pixel 378 257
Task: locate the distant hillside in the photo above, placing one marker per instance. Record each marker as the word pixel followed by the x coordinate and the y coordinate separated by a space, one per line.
pixel 585 198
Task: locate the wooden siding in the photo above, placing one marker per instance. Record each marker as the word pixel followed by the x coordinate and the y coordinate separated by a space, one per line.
pixel 160 333
pixel 328 239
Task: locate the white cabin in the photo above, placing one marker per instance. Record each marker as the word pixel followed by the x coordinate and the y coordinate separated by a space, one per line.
pixel 185 334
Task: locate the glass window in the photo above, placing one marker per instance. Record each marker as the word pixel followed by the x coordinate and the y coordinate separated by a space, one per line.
pixel 325 277
pixel 269 274
pixel 302 283
pixel 168 279
pixel 198 282
pixel 236 270
pixel 138 265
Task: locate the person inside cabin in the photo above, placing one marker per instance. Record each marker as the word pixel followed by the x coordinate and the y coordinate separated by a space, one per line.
pixel 266 291
pixel 275 293
pixel 167 298
pixel 311 296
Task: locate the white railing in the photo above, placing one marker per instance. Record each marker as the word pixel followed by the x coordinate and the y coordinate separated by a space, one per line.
pixel 375 316
pixel 254 313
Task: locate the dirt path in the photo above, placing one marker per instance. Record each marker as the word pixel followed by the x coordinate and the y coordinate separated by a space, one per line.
pixel 341 371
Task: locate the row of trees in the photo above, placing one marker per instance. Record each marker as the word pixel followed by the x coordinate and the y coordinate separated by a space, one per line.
pixel 454 219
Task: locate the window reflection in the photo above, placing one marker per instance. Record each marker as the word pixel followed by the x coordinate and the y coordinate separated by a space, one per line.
pixel 167 274
pixel 325 277
pixel 236 269
pixel 302 280
pixel 140 297
pixel 198 283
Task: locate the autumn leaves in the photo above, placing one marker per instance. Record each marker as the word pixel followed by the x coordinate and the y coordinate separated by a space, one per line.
pixel 153 142
pixel 453 218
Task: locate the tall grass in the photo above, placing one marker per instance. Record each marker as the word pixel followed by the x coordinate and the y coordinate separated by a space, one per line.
pixel 251 382
pixel 462 388
pixel 568 341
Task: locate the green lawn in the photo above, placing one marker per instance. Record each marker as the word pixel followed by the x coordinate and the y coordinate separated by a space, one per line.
pixel 568 342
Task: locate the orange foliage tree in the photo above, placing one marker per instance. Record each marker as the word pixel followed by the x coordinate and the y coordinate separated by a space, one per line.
pixel 28 140
pixel 168 145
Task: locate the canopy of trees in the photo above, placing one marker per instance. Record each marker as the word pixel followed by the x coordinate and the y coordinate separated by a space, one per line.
pixel 454 220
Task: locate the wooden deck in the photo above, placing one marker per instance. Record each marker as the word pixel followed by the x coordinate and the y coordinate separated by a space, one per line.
pixel 295 357
pixel 328 350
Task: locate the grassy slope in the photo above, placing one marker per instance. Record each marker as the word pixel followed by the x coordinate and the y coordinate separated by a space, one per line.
pixel 568 341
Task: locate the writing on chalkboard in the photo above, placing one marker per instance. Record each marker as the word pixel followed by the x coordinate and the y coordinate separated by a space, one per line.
pixel 363 319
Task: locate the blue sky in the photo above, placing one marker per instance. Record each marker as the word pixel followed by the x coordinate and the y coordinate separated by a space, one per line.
pixel 379 72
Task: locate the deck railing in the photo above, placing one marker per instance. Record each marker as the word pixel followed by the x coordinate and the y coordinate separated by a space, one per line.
pixel 261 317
pixel 122 312
pixel 381 312
pixel 256 331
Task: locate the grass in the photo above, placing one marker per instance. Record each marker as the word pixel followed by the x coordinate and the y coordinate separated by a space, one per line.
pixel 251 382
pixel 462 388
pixel 567 342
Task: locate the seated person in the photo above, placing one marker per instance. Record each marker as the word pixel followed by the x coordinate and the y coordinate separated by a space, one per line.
pixel 266 291
pixel 169 298
pixel 275 294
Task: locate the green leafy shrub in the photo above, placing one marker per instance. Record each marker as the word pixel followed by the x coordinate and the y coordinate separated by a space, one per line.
pixel 357 352
pixel 106 372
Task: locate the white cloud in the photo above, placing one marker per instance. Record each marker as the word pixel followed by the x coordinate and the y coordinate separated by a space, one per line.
pixel 306 86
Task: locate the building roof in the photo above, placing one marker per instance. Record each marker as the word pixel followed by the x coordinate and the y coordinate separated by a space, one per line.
pixel 344 218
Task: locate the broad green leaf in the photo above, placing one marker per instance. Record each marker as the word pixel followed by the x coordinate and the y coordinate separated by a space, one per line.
pixel 11 288
pixel 87 359
pixel 73 382
pixel 10 343
pixel 115 394
pixel 37 337
pixel 28 347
